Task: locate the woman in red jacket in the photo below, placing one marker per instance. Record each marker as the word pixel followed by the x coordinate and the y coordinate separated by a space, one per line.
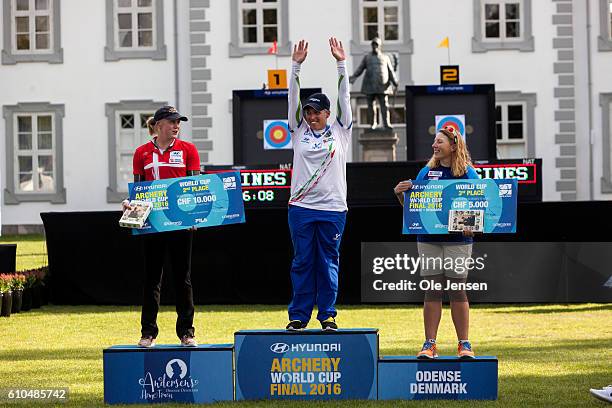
pixel 166 156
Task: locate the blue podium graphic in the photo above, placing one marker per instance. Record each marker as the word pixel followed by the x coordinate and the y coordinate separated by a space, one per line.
pixel 306 365
pixel 408 378
pixel 168 373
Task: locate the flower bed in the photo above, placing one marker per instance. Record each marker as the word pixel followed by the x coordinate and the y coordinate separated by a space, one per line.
pixel 22 291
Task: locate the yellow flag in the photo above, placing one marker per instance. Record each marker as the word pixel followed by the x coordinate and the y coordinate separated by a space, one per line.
pixel 443 43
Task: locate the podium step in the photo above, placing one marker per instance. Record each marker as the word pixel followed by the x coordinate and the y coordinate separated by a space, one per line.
pixel 408 378
pixel 306 365
pixel 168 373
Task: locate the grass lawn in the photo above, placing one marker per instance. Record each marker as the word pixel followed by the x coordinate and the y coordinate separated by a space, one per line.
pixel 31 250
pixel 549 355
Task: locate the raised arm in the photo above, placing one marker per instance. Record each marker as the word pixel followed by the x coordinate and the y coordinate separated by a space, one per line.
pixel 300 51
pixel 344 113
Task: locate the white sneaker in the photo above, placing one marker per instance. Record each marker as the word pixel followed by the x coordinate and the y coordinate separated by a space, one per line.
pixel 188 341
pixel 147 342
pixel 604 394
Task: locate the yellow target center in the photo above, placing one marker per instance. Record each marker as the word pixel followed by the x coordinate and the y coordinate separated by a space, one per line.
pixel 278 134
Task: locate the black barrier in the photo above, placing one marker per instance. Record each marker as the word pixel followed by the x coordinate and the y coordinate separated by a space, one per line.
pixel 94 261
pixel 249 109
pixel 8 256
pixel 475 102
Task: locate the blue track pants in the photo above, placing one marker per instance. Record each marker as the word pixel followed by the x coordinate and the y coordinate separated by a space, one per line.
pixel 316 237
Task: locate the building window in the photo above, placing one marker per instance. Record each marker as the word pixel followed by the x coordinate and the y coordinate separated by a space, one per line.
pixel 397 114
pixel 605 101
pixel 131 132
pixel 259 22
pixel 256 24
pixel 380 18
pixel 502 25
pixel 32 26
pixel 605 25
pixel 514 125
pixel 127 129
pixel 510 130
pixel 134 21
pixel 34 153
pixel 502 20
pixel 135 29
pixel 31 31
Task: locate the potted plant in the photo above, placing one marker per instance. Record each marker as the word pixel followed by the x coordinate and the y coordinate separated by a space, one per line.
pixel 30 279
pixel 7 298
pixel 44 285
pixel 1 292
pixel 18 284
pixel 39 275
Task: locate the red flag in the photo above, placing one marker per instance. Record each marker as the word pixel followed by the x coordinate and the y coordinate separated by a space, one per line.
pixel 273 49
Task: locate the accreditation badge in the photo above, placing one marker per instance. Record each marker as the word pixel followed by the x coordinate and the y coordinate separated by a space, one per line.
pixel 176 157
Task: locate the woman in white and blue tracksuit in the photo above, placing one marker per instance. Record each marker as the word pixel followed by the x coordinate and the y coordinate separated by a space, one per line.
pixel 317 206
pixel 450 160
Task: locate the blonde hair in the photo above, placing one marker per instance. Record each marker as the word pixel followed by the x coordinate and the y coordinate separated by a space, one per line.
pixel 151 125
pixel 460 158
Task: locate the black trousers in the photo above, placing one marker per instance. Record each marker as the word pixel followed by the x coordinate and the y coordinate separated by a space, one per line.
pixel 176 246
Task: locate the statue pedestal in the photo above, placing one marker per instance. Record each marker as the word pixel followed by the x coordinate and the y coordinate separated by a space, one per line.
pixel 378 145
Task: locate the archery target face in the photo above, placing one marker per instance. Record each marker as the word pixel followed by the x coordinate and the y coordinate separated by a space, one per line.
pixel 276 134
pixel 456 121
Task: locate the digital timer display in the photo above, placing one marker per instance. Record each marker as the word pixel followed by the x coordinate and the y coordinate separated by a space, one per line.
pixel 262 186
pixel 259 195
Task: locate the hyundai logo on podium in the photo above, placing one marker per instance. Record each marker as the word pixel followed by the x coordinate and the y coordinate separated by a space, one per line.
pixel 280 348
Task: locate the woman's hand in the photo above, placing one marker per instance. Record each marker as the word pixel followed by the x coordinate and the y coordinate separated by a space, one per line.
pixel 300 51
pixel 125 205
pixel 402 186
pixel 336 49
pixel 468 233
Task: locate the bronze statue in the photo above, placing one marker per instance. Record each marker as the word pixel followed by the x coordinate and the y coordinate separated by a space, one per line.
pixel 377 81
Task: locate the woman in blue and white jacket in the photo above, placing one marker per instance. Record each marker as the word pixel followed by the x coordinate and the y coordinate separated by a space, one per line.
pixel 317 206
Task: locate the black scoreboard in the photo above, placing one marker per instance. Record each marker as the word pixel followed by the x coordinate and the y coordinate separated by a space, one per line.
pixel 371 184
pixel 262 185
pixel 475 103
pixel 528 172
pixel 249 110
